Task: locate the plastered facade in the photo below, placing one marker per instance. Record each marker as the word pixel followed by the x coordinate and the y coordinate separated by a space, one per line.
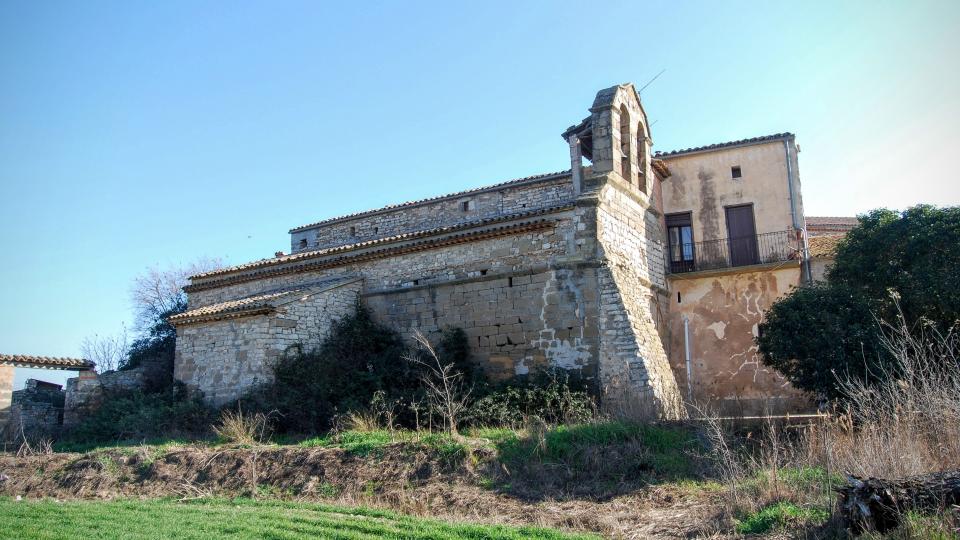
pixel 703 183
pixel 722 314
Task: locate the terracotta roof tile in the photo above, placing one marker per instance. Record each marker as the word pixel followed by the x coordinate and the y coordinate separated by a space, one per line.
pixel 831 220
pixel 242 305
pixel 824 247
pixel 369 243
pixel 389 207
pixel 258 303
pixel 26 360
pixel 729 144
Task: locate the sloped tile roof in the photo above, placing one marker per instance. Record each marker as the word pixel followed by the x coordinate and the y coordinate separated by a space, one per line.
pixel 729 144
pixel 369 243
pixel 390 207
pixel 242 306
pixel 831 221
pixel 52 362
pixel 265 302
pixel 824 247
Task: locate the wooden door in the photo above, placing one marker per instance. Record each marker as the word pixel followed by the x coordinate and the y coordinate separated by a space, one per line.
pixel 742 234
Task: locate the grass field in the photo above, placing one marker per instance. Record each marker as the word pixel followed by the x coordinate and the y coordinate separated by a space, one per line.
pixel 241 518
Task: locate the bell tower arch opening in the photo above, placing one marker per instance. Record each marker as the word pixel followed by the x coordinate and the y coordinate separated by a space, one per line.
pixel 643 157
pixel 626 142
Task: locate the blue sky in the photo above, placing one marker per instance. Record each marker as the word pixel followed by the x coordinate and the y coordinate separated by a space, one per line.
pixel 135 134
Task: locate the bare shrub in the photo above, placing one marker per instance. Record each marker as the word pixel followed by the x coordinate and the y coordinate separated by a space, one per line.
pixel 159 291
pixel 246 429
pixel 444 383
pixel 106 351
pixel 38 447
pixel 378 416
pixel 907 424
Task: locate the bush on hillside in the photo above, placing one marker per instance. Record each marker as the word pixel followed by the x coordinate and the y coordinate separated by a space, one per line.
pixel 891 264
pixel 816 353
pixel 138 415
pixel 359 359
pixel 554 396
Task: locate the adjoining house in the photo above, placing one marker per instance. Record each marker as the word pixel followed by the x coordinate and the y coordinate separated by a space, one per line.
pixel 646 273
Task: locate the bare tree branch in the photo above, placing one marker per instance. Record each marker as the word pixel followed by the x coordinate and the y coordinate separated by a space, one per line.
pixel 106 351
pixel 158 292
pixel 445 387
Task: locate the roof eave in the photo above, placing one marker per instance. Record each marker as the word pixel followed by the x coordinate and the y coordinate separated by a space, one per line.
pixel 413 204
pixel 755 141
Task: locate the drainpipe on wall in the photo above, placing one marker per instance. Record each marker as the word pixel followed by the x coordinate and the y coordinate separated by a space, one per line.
pixel 806 276
pixel 686 352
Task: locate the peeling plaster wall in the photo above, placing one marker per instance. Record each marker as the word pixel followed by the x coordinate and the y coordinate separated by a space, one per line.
pixel 724 311
pixel 223 359
pixel 819 267
pixel 701 183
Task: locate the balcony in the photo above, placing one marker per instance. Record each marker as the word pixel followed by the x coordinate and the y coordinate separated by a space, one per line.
pixel 733 252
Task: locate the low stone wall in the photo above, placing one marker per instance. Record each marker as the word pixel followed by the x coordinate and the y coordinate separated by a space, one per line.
pixel 37 410
pixel 85 393
pixel 223 359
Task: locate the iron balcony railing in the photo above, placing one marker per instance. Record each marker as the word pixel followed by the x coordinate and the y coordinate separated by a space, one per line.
pixel 732 252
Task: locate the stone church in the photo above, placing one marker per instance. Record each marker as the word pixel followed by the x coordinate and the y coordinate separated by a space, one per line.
pixel 646 273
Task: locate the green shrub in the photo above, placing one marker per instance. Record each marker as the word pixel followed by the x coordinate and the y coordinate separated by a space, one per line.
pixel 137 415
pixel 358 360
pixel 779 516
pixel 665 449
pixel 553 396
pixel 820 334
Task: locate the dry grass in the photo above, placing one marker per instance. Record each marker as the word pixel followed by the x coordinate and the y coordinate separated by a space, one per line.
pixel 908 425
pixel 245 429
pixel 379 416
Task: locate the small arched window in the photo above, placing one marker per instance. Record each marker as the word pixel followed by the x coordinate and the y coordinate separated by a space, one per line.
pixel 625 142
pixel 641 157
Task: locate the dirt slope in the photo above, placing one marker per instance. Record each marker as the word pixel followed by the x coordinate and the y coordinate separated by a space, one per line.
pixel 403 477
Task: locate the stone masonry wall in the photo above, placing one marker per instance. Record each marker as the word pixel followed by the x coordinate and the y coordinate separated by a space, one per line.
pixel 85 393
pixel 522 306
pixel 223 359
pixel 634 367
pixel 466 260
pixel 516 322
pixel 37 410
pixel 446 211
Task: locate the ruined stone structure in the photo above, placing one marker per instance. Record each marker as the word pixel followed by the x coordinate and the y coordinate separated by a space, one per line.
pixel 37 409
pixel 646 274
pixel 39 404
